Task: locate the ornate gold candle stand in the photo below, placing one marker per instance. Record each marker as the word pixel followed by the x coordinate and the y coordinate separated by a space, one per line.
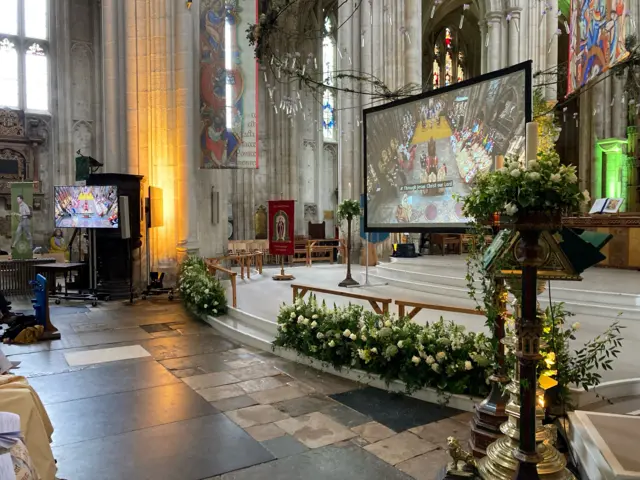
pixel 500 462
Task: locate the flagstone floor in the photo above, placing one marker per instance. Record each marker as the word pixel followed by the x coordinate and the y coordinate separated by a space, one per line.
pixel 147 392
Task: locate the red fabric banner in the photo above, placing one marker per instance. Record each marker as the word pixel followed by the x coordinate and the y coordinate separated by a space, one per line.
pixel 281 223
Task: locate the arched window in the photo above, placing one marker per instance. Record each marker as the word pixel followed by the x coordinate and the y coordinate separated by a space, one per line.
pixel 24 62
pixel 448 63
pixel 328 72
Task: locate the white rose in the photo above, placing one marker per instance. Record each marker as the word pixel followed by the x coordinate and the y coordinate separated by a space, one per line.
pixel 415 360
pixel 387 323
pixel 533 176
pixel 510 209
pixel 468 365
pixel 215 311
pixel 586 196
pixel 440 356
pixel 347 333
pixel 320 336
pixel 315 317
pixel 435 367
pixel 314 324
pixel 206 290
pixel 572 178
pixel 400 344
pixel 300 319
pixel 215 304
pixel 515 173
pixel 555 178
pixel 430 360
pixel 293 315
pixel 503 170
pixel 374 350
pixel 532 165
pixel 206 306
pixel 363 338
pixel 332 344
pixel 353 336
pixel 576 325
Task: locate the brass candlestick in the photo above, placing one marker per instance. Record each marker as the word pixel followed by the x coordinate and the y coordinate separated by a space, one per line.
pixel 501 462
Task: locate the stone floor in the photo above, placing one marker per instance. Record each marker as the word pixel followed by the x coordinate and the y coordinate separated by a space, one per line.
pixel 147 392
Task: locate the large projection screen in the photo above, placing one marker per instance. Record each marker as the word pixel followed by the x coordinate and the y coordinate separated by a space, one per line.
pixel 423 151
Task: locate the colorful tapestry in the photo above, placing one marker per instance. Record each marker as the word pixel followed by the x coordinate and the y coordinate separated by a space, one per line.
pixel 597 36
pixel 228 85
pixel 281 225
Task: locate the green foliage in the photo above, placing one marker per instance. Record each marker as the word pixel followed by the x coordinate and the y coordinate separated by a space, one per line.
pixel 200 291
pixel 543 186
pixel 348 210
pixel 441 355
pixel 570 367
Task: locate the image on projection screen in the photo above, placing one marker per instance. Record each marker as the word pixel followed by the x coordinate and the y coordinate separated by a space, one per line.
pixel 420 153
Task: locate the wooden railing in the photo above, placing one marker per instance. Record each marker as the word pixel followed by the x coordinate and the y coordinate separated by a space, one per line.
pixel 417 306
pixel 380 305
pixel 15 275
pixel 215 267
pixel 244 260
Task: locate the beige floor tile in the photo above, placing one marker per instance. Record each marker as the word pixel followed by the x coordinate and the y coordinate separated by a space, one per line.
pixel 426 467
pixel 215 394
pixel 238 364
pixel 465 417
pixel 255 371
pixel 438 432
pixel 400 448
pixel 265 432
pixel 373 432
pixel 280 394
pixel 260 384
pixel 256 415
pixel 208 380
pixel 315 430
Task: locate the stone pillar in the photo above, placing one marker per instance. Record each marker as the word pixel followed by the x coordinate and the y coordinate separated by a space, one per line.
pixel 494 25
pixel 514 35
pixel 115 121
pixel 484 48
pixel 551 45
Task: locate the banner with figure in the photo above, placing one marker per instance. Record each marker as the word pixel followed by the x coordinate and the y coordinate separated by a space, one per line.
pixel 281 227
pixel 21 219
pixel 228 85
pixel 596 39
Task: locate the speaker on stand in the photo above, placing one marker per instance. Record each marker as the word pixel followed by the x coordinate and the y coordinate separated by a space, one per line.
pixel 125 234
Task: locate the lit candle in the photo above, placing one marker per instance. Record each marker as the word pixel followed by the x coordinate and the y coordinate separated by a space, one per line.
pixel 531 149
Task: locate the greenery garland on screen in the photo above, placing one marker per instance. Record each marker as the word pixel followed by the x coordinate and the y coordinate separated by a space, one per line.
pixel 200 291
pixel 441 355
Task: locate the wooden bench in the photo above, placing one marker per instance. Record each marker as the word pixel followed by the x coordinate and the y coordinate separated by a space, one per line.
pixel 417 306
pixel 379 305
pixel 214 267
pixel 446 240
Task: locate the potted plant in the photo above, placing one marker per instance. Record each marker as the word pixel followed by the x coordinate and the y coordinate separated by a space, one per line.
pixel 348 210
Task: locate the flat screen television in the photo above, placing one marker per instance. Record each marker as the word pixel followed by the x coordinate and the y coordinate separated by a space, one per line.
pixel 86 207
pixel 423 152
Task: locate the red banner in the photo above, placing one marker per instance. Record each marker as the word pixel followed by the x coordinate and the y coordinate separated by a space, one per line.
pixel 281 223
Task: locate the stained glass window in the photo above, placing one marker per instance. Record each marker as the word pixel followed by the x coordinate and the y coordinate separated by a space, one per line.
pixel 24 62
pixel 328 71
pixel 449 61
pixel 460 67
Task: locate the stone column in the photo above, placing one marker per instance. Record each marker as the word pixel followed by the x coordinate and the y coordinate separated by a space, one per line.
pixel 484 51
pixel 494 24
pixel 514 35
pixel 551 45
pixel 115 121
pixel 187 134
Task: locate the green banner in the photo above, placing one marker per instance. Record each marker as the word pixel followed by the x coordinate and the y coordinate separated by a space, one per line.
pixel 21 220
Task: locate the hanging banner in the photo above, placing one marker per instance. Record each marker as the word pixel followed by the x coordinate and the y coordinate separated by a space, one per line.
pixel 281 224
pixel 228 85
pixel 21 219
pixel 596 39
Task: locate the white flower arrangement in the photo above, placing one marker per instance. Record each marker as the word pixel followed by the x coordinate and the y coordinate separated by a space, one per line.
pixel 543 185
pixel 200 291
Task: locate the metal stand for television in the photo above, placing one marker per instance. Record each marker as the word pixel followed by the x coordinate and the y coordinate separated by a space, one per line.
pixel 366 270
